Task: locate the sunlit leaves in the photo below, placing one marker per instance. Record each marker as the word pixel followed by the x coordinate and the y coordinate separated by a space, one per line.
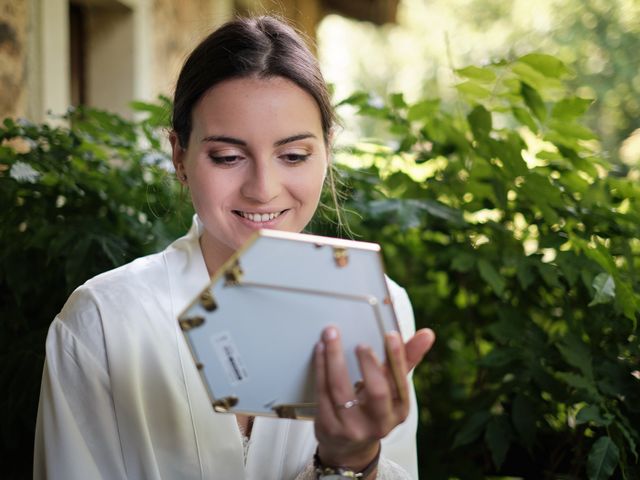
pixel 548 65
pixel 519 245
pixel 473 90
pixel 422 110
pixel 485 75
pixel 570 108
pixel 535 294
pixel 480 122
pixel 534 101
pixel 605 289
pixel 101 197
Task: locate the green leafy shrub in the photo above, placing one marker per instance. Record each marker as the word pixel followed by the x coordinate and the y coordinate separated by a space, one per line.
pixel 76 202
pixel 520 246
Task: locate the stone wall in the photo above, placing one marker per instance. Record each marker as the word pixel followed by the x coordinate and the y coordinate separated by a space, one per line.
pixel 14 25
pixel 34 67
pixel 177 27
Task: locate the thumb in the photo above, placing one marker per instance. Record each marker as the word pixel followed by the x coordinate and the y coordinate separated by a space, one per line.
pixel 418 346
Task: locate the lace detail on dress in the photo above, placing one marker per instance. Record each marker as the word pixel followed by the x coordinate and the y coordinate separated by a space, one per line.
pixel 245 435
pixel 245 447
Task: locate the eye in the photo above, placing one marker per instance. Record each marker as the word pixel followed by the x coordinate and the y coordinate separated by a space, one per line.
pixel 225 159
pixel 295 157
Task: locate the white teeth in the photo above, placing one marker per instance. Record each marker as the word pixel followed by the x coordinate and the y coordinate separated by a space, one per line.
pixel 259 217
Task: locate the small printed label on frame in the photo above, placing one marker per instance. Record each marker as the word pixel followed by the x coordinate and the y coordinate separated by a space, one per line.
pixel 229 357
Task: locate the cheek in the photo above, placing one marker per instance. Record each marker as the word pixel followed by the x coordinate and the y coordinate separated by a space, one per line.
pixel 208 191
pixel 311 187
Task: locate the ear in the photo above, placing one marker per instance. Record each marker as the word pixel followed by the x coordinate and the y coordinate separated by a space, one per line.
pixel 178 158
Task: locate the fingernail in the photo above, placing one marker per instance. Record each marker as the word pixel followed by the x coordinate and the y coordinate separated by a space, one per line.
pixel 330 334
pixel 319 347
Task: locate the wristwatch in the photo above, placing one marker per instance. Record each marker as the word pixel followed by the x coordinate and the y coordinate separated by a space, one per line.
pixel 340 473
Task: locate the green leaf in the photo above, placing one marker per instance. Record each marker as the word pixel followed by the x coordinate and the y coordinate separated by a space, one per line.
pixel 506 330
pixel 626 300
pixel 575 182
pixel 602 459
pixel 577 354
pixel 578 382
pixel 499 357
pixel 491 276
pixel 476 73
pixel 628 432
pixel 601 256
pixel 549 274
pixel 471 429
pixel 422 110
pixel 480 121
pixel 571 130
pixel 440 210
pixel 548 65
pixel 543 194
pixel 397 100
pixel 152 108
pixel 523 116
pixel 358 99
pixel 524 273
pixel 534 101
pixel 473 90
pixel 571 108
pixel 591 414
pixel 570 266
pixel 498 439
pixel 463 262
pixel 535 79
pixel 604 289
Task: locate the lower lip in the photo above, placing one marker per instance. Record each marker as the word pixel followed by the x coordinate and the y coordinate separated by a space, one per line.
pixel 271 224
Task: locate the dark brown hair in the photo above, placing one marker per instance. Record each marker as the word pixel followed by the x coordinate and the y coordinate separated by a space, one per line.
pixel 260 46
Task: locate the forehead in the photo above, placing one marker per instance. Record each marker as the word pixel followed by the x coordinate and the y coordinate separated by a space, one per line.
pixel 272 103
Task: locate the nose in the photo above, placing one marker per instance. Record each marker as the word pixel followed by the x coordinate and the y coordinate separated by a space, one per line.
pixel 262 183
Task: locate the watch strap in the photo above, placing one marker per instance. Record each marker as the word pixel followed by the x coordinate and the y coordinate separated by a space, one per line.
pixel 323 471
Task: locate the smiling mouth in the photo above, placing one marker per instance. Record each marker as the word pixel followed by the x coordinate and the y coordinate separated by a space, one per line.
pixel 259 217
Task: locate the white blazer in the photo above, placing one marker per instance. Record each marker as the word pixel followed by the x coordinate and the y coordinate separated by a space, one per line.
pixel 121 397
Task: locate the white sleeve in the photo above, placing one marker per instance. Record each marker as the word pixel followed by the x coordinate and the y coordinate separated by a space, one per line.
pixel 76 430
pixel 400 445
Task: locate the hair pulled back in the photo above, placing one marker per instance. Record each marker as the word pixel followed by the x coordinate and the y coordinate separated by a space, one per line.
pixel 260 46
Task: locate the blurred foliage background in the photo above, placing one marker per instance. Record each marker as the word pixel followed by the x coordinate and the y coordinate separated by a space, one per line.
pixel 502 183
pixel 597 39
pixel 484 380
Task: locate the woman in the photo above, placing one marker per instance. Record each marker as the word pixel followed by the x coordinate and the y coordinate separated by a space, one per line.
pixel 121 397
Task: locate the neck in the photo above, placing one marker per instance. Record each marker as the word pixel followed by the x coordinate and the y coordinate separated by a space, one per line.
pixel 214 253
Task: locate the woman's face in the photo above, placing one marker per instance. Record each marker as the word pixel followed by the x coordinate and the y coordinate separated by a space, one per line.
pixel 256 158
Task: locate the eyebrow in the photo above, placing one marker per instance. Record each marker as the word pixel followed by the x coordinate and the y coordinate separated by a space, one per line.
pixel 237 141
pixel 294 138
